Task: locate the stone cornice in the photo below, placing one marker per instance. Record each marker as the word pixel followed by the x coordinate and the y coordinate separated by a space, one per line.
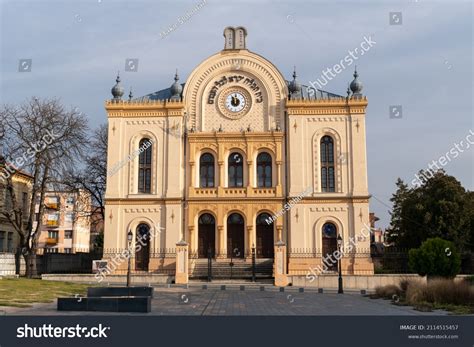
pixel 233 136
pixel 149 108
pixel 239 200
pixel 340 106
pixel 140 201
pixel 333 200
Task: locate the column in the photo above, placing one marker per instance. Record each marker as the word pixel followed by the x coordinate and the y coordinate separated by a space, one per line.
pixel 222 252
pixel 278 181
pixel 193 174
pixel 220 187
pixel 251 175
pixel 192 246
pixel 250 241
pixel 279 233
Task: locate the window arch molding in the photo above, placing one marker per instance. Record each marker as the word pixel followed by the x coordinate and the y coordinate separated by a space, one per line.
pixel 197 164
pixel 317 233
pixel 255 156
pixel 156 236
pixel 244 166
pixel 156 163
pixel 316 148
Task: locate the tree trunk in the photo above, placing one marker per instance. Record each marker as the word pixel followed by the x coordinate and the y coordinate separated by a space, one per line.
pixel 18 261
pixel 30 261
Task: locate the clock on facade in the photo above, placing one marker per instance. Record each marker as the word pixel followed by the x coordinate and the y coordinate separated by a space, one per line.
pixel 234 103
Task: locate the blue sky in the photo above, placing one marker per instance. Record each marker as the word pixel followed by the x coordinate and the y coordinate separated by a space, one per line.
pixel 424 64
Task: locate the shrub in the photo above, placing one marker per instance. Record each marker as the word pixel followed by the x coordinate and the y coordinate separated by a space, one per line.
pixel 388 291
pixel 440 291
pixel 435 257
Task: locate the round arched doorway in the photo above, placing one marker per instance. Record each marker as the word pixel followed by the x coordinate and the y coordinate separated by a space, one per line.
pixel 329 232
pixel 235 236
pixel 206 235
pixel 265 247
pixel 142 247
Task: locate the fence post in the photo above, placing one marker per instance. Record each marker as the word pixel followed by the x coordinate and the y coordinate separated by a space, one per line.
pixel 209 264
pixel 281 277
pixel 253 264
pixel 182 268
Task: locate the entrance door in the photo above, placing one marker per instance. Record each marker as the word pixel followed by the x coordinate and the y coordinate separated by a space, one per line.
pixel 142 254
pixel 206 235
pixel 235 236
pixel 329 245
pixel 265 247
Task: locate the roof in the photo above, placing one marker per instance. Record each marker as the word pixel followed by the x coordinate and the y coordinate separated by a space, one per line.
pixel 14 168
pixel 165 94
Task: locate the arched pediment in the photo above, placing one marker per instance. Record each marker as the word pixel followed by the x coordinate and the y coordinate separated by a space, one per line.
pixel 258 83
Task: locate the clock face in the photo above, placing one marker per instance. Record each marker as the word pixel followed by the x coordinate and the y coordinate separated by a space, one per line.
pixel 235 102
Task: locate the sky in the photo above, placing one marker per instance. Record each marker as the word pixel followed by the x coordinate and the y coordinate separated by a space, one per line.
pixel 422 60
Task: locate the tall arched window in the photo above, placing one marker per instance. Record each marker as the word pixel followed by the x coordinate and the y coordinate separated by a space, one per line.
pixel 327 165
pixel 264 170
pixel 236 170
pixel 329 238
pixel 206 170
pixel 142 254
pixel 144 166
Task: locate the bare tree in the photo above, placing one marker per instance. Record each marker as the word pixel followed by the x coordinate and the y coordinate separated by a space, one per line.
pixel 92 178
pixel 44 139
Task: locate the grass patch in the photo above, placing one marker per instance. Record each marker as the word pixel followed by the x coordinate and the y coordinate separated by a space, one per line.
pixel 22 292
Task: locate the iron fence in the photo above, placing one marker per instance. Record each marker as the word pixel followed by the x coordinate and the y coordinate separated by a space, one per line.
pixel 389 260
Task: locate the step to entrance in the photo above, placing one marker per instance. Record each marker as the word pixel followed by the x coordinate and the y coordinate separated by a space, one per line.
pixel 240 269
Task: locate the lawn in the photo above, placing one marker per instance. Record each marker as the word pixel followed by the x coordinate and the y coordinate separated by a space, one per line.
pixel 22 292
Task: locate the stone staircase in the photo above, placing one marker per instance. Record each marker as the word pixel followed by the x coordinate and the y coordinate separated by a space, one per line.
pixel 240 270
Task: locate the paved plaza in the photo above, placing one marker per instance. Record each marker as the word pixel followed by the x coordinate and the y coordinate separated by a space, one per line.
pixel 249 300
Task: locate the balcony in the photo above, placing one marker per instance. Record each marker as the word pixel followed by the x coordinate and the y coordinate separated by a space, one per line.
pixel 51 240
pixel 51 202
pixel 235 192
pixel 265 192
pixel 203 192
pixel 52 223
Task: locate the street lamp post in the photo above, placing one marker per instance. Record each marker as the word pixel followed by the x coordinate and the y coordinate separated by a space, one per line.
pixel 339 245
pixel 129 239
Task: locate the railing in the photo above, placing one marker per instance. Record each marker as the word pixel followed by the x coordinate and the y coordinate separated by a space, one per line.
pixel 264 191
pixel 206 192
pixel 51 240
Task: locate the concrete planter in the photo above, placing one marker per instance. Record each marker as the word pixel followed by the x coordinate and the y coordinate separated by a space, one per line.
pixel 140 304
pixel 119 291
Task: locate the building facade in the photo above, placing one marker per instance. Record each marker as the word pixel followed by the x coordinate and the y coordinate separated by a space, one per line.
pixel 65 226
pixel 235 160
pixel 22 183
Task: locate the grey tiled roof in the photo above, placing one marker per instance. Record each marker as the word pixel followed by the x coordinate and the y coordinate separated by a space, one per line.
pixel 165 94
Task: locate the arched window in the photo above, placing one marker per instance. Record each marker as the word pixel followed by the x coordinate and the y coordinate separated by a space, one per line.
pixel 264 170
pixel 206 170
pixel 142 254
pixel 206 236
pixel 235 236
pixel 265 244
pixel 144 166
pixel 329 240
pixel 236 170
pixel 327 165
